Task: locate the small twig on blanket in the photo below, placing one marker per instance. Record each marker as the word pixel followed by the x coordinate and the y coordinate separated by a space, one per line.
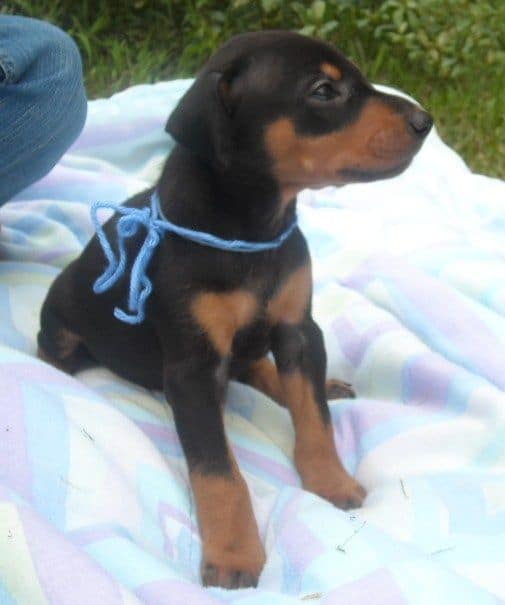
pixel 72 484
pixel 313 595
pixel 90 437
pixel 441 550
pixel 403 489
pixel 340 547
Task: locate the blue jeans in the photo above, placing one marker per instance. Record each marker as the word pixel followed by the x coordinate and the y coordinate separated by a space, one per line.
pixel 42 100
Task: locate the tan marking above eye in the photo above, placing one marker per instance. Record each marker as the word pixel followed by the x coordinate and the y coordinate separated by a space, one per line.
pixel 377 140
pixel 291 301
pixel 331 70
pixel 221 315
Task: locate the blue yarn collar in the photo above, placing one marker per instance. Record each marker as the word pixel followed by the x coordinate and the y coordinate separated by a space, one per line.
pixel 156 225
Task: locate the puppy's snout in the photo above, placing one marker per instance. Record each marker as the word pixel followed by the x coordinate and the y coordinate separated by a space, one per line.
pixel 421 122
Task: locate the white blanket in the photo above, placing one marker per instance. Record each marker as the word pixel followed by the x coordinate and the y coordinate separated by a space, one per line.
pixel 95 505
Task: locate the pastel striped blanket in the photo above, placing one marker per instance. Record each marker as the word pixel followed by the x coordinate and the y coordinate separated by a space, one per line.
pixel 95 505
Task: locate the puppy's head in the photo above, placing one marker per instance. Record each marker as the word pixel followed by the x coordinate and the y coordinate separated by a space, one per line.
pixel 297 109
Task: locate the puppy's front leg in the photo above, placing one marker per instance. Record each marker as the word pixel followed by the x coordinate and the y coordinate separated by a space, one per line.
pixel 301 361
pixel 233 555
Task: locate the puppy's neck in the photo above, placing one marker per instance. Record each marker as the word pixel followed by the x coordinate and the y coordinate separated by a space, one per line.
pixel 236 203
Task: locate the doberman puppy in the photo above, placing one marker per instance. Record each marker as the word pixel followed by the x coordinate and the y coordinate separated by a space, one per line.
pixel 270 114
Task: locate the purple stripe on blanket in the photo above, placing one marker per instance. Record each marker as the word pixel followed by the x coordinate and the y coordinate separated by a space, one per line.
pixel 427 379
pixel 167 435
pixel 300 547
pixel 68 576
pixel 355 345
pixel 38 371
pixel 433 309
pixel 272 469
pixel 15 466
pixel 353 422
pixel 347 432
pixel 162 435
pixel 167 510
pixel 95 533
pixel 378 588
pixel 174 592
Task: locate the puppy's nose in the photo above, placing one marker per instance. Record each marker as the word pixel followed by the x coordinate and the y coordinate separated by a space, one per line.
pixel 421 122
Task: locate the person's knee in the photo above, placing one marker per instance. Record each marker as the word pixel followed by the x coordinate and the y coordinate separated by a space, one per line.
pixel 60 67
pixel 69 85
pixel 30 48
pixel 62 56
pixel 44 93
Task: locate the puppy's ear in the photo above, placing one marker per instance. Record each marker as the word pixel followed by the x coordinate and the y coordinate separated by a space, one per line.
pixel 201 121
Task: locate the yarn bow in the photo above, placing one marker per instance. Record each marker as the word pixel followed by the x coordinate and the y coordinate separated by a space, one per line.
pixel 127 226
pixel 155 224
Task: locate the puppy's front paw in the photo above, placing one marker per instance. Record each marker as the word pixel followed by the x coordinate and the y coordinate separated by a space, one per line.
pixel 226 577
pixel 233 555
pixel 344 492
pixel 325 477
pixel 230 569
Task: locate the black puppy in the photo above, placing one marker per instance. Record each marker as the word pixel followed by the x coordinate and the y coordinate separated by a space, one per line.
pixel 270 114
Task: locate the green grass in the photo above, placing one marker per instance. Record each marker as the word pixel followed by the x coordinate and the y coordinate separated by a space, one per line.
pixel 449 54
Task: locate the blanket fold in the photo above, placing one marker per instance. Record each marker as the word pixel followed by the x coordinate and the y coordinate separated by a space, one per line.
pixel 409 288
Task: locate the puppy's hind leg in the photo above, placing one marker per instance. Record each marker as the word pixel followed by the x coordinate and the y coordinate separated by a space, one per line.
pixel 263 375
pixel 59 346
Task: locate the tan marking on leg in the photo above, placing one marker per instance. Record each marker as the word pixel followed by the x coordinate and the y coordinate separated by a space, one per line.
pixel 222 315
pixel 312 434
pixel 331 70
pixel 233 555
pixel 316 457
pixel 66 344
pixel 42 355
pixel 263 375
pixel 290 303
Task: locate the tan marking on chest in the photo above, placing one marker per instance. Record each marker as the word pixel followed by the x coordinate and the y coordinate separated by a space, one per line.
pixel 221 315
pixel 291 301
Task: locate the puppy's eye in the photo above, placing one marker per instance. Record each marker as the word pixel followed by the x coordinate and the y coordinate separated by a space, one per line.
pixel 323 91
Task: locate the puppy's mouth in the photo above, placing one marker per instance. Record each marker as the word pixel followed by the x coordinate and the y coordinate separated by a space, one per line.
pixel 344 177
pixel 360 175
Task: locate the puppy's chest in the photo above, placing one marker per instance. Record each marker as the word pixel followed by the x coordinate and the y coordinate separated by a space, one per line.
pixel 242 317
